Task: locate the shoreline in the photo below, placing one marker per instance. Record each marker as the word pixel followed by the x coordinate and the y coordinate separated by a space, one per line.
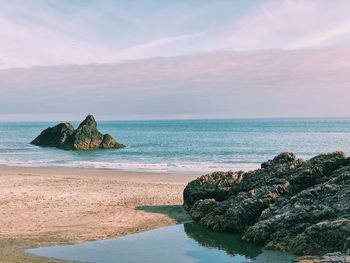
pixel 183 171
pixel 149 176
pixel 48 206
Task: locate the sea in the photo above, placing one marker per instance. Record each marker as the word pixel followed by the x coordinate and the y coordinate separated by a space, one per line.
pixel 182 146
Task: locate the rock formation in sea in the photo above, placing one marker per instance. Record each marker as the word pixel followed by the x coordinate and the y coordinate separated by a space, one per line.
pixel 85 137
pixel 289 205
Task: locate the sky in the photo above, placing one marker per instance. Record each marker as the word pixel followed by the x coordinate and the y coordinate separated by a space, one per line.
pixel 173 59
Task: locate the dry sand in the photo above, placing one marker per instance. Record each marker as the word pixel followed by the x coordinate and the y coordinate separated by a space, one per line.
pixel 63 205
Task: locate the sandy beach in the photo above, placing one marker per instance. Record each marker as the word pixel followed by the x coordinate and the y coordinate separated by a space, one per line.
pixel 66 205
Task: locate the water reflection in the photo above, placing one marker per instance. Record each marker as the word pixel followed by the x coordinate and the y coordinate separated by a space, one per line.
pixel 232 244
pixel 187 243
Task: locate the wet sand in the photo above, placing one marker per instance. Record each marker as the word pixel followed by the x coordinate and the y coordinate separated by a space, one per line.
pixel 67 205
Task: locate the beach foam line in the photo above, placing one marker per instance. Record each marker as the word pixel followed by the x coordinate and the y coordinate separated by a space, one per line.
pixel 137 166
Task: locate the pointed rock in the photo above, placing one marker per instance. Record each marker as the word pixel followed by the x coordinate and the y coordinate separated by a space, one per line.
pixel 85 137
pixel 89 121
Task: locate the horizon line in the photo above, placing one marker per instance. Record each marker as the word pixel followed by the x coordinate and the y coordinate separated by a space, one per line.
pixel 184 119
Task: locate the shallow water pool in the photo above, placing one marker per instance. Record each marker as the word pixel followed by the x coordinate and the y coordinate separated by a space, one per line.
pixel 180 243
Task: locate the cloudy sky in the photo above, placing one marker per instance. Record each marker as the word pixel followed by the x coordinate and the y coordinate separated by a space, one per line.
pixel 170 53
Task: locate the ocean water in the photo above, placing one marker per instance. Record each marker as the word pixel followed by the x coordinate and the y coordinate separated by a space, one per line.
pixel 182 145
pixel 188 243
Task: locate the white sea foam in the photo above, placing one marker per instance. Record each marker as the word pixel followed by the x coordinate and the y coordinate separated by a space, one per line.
pixel 136 166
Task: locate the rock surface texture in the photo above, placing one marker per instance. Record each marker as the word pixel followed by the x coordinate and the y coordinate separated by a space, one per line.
pixel 85 137
pixel 289 204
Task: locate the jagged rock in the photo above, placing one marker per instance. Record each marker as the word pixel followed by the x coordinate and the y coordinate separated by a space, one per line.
pixel 282 158
pixel 85 137
pixel 328 258
pixel 54 136
pixel 289 204
pixel 218 185
pixel 108 142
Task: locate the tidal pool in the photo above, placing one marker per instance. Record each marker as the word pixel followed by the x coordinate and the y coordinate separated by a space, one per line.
pixel 174 244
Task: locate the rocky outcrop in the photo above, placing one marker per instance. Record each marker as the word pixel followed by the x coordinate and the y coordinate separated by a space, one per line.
pixel 54 136
pixel 85 137
pixel 328 258
pixel 289 204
